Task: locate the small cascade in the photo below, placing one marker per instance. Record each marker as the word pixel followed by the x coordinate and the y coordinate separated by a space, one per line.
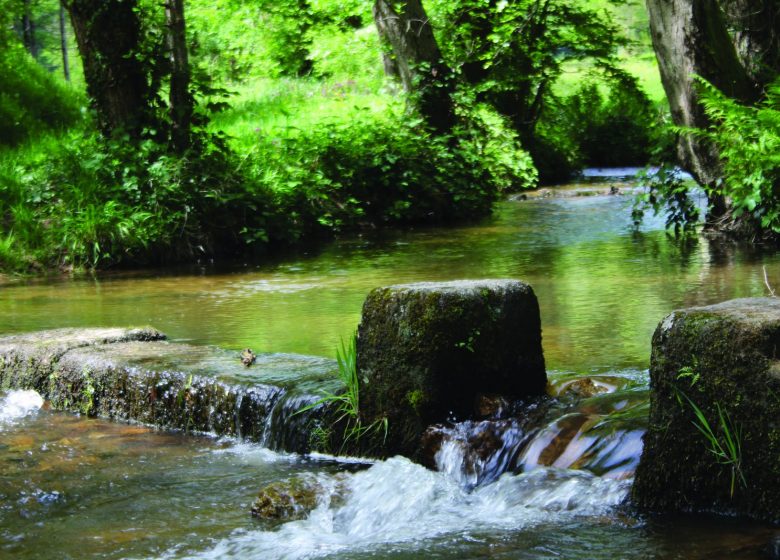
pixel 237 415
pixel 475 453
pixel 594 424
pixel 289 423
pixel 16 405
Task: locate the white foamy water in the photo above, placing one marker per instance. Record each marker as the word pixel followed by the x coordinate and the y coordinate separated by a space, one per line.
pixel 15 405
pixel 397 501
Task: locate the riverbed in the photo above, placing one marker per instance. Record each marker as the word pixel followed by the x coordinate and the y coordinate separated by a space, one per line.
pixel 74 487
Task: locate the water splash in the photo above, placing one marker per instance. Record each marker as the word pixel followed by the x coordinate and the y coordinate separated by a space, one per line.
pixel 15 405
pixel 397 501
pixel 476 453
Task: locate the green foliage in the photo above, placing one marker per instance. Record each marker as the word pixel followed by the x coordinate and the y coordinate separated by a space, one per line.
pixel 513 52
pixel 86 201
pixel 748 140
pixel 513 55
pixel 346 404
pixel 664 191
pixel 616 128
pixel 32 100
pixel 306 156
pixel 374 171
pixel 238 41
pixel 606 121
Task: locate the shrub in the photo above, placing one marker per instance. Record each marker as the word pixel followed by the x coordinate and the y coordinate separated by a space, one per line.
pixel 81 200
pixel 373 172
pixel 616 128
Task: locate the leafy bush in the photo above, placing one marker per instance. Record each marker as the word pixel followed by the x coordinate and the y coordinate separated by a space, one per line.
pixel 85 201
pixel 615 128
pixel 665 191
pixel 81 200
pixel 372 172
pixel 748 140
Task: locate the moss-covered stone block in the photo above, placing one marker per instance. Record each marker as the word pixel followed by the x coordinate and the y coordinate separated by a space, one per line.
pixel 426 352
pixel 724 361
pixel 27 359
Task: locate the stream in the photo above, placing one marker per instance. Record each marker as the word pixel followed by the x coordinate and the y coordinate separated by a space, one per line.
pixel 78 487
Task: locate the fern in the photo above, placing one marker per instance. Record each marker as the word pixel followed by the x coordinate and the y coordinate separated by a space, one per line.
pixel 748 140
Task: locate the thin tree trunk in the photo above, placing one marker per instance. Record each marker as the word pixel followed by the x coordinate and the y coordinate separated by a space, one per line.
pixel 28 30
pixel 181 102
pixel 64 44
pixel 417 60
pixel 108 37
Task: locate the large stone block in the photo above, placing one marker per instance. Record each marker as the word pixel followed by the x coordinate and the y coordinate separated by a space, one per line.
pixel 722 360
pixel 426 351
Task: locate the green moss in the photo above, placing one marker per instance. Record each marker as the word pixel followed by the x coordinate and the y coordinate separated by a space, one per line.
pixel 416 398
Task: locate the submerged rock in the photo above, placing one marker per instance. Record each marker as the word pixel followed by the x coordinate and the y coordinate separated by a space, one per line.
pixel 426 351
pixel 583 387
pixel 714 435
pixel 296 497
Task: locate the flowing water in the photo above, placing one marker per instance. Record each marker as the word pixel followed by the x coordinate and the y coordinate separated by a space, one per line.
pixel 549 486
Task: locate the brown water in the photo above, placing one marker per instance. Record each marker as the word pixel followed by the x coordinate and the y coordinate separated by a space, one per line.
pixel 77 488
pixel 602 289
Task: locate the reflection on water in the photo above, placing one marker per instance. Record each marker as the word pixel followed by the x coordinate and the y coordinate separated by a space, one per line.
pixel 602 288
pixel 73 487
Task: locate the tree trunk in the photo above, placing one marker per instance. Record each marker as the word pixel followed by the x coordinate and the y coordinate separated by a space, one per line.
pixel 755 26
pixel 417 60
pixel 181 101
pixel 64 44
pixel 108 37
pixel 28 30
pixel 690 38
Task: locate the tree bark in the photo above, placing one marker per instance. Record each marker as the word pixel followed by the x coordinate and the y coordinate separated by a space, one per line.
pixel 108 37
pixel 691 39
pixel 417 60
pixel 755 26
pixel 64 44
pixel 181 101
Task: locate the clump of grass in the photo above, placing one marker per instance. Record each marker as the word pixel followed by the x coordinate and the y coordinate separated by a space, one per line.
pixel 347 403
pixel 724 442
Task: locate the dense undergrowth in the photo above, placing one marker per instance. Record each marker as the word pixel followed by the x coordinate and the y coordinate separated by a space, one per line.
pixel 303 146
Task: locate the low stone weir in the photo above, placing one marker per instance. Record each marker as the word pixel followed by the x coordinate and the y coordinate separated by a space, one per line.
pixel 135 374
pixel 426 353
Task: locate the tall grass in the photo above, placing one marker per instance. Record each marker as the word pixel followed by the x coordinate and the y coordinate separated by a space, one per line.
pixel 346 403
